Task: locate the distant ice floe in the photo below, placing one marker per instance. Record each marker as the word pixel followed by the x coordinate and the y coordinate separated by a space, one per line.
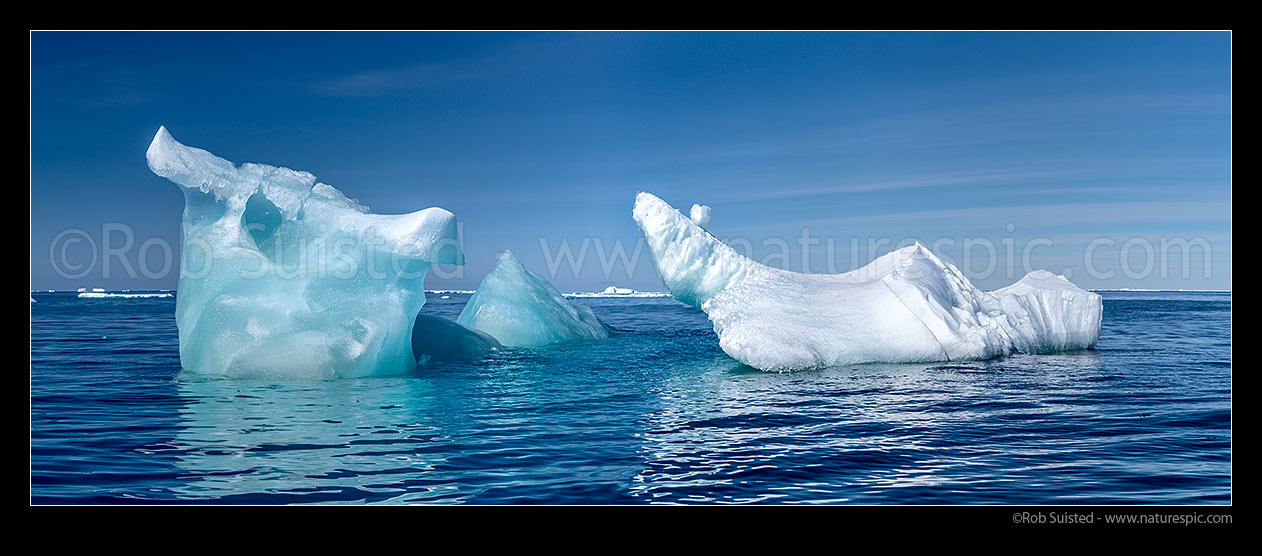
pixel 107 295
pixel 100 293
pixel 1147 290
pixel 615 291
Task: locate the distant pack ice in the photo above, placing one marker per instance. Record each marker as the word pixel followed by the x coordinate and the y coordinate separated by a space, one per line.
pixel 906 306
pixel 283 276
pixel 521 308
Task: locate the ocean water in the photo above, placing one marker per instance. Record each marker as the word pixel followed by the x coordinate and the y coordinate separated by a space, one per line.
pixel 656 415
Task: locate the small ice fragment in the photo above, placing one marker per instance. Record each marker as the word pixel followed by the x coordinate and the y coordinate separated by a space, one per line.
pixel 700 214
pixel 520 308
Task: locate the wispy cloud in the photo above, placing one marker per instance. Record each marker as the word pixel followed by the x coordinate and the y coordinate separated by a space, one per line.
pixel 94 85
pixel 522 56
pixel 1033 215
pixel 1039 176
pixel 378 82
pixel 975 177
pixel 1005 122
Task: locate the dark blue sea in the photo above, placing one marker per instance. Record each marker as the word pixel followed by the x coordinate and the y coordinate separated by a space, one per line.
pixel 656 415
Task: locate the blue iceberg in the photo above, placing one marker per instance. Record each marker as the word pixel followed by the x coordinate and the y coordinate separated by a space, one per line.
pixel 520 308
pixel 283 276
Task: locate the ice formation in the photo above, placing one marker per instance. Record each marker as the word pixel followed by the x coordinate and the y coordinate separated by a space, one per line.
pixel 435 338
pixel 700 214
pixel 283 276
pixel 615 291
pixel 99 295
pixel 906 306
pixel 520 308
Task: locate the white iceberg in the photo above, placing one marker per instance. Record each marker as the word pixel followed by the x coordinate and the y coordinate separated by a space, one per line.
pixel 103 295
pixel 906 306
pixel 283 276
pixel 520 308
pixel 615 291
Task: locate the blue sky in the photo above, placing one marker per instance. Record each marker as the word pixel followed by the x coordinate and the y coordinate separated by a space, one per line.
pixel 1045 142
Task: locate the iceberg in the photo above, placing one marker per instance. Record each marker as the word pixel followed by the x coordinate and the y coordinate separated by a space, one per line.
pixel 284 276
pixel 100 295
pixel 615 291
pixel 520 308
pixel 906 306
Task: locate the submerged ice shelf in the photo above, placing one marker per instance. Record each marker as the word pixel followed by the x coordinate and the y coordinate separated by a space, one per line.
pixel 906 306
pixel 284 276
pixel 521 308
pixel 435 338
